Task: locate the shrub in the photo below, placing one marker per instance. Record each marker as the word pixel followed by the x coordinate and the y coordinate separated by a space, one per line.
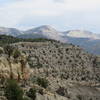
pixel 1 51
pixel 33 79
pixel 16 53
pixel 9 50
pixel 41 91
pixel 13 91
pixel 42 82
pixel 25 98
pixel 61 91
pixel 32 93
pixel 79 97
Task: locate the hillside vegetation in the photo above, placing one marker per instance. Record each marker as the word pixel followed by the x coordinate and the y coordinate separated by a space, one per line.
pixel 4 39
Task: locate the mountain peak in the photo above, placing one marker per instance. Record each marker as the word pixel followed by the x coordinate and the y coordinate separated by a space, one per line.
pixel 46 31
pixel 44 28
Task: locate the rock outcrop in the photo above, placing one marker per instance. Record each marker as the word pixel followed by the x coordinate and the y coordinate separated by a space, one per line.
pixel 14 67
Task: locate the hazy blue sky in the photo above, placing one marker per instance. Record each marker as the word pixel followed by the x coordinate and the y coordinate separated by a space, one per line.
pixel 61 14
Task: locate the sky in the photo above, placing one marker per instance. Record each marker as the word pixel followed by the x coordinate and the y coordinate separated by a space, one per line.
pixel 61 14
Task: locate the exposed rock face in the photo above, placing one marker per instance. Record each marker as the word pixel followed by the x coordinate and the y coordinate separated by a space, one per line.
pixel 16 68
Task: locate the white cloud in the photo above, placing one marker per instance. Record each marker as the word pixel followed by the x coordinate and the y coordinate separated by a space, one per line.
pixel 12 13
pixel 82 5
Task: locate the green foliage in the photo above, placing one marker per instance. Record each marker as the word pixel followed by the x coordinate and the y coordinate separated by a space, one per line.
pixel 79 97
pixel 42 82
pixel 16 53
pixel 32 93
pixel 33 79
pixel 11 51
pixel 1 51
pixel 5 40
pixel 8 50
pixel 62 91
pixel 25 98
pixel 13 91
pixel 40 91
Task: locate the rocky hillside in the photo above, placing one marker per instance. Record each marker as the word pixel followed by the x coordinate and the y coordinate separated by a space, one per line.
pixel 70 70
pixel 56 70
pixel 61 60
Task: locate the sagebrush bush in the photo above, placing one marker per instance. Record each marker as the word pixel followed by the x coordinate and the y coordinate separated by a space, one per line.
pixel 16 53
pixel 13 91
pixel 1 51
pixel 32 93
pixel 42 82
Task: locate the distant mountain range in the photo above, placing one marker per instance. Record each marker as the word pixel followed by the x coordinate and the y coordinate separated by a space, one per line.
pixel 44 31
pixel 10 31
pixel 85 39
pixel 82 34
